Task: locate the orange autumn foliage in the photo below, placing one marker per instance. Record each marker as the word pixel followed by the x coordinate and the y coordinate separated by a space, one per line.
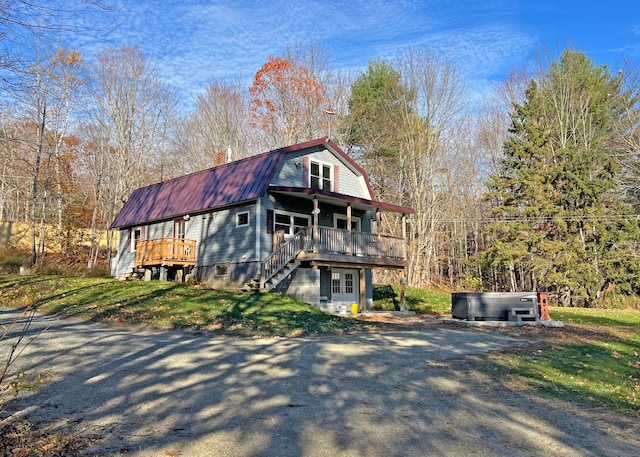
pixel 286 99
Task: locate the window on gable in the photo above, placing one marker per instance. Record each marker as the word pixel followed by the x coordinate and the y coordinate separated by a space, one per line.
pixel 320 176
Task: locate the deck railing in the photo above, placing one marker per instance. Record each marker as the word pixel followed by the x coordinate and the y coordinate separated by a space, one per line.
pixel 170 251
pixel 342 242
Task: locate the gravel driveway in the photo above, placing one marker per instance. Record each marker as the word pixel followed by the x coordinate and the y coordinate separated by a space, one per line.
pixel 409 393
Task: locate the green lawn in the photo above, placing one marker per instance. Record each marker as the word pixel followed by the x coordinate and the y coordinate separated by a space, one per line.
pixel 422 301
pixel 594 360
pixel 596 316
pixel 170 305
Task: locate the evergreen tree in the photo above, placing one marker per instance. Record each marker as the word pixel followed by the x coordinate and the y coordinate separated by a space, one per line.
pixel 377 106
pixel 558 225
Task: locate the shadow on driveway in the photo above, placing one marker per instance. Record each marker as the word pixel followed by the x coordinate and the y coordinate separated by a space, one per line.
pixel 145 393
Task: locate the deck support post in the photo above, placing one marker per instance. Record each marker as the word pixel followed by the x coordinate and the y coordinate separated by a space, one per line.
pixel 316 212
pixel 404 236
pixel 403 302
pixel 363 291
pixel 349 240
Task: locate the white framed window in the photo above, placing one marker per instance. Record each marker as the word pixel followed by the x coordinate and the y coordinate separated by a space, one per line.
pixel 242 219
pixel 136 235
pixel 340 222
pixel 221 269
pixel 348 283
pixel 289 223
pixel 320 176
pixel 335 283
pixel 179 228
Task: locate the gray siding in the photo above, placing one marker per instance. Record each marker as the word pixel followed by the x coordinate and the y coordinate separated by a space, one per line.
pixel 290 173
pixel 219 240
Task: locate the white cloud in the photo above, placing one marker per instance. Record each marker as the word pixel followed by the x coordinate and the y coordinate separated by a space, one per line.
pixel 194 41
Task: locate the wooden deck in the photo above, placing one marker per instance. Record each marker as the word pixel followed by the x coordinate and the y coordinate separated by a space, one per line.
pixel 358 249
pixel 165 251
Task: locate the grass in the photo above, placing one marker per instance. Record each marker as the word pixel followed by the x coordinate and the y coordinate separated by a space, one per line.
pixel 597 316
pixel 594 360
pixel 170 305
pixel 422 301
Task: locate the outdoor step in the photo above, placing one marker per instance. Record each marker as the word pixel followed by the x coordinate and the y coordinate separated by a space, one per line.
pixel 522 314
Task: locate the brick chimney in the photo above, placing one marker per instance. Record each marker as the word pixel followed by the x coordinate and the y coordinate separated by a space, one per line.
pixel 219 158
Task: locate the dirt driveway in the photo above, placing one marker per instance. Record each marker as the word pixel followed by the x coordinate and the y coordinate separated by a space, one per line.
pixel 406 393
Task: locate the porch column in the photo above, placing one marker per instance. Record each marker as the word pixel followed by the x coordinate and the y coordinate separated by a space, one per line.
pixel 363 291
pixel 378 246
pixel 349 239
pixel 316 212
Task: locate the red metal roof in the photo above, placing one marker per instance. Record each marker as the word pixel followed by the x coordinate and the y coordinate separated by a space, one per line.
pixel 226 184
pixel 234 182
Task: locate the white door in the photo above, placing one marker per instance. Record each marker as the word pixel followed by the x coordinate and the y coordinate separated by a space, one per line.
pixel 345 287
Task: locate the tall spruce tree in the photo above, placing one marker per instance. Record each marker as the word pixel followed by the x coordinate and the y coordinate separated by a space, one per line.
pixel 558 224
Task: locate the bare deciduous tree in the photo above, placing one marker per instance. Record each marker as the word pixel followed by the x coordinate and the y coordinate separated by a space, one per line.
pixel 218 124
pixel 428 154
pixel 131 111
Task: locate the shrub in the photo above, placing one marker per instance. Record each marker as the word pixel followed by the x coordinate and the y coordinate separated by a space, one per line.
pixel 12 258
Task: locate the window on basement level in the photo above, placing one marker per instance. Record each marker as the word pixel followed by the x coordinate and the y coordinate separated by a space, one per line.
pixel 348 283
pixel 320 176
pixel 221 269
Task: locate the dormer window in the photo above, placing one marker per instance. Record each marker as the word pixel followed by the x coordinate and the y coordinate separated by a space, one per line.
pixel 320 176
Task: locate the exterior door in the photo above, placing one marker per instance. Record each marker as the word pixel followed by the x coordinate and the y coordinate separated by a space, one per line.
pixel 345 287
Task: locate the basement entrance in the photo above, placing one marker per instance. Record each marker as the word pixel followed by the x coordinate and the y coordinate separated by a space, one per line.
pixel 345 287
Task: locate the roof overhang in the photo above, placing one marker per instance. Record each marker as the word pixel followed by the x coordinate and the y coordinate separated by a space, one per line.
pixel 337 199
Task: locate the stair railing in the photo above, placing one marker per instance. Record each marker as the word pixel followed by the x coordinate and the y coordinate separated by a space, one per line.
pixel 281 257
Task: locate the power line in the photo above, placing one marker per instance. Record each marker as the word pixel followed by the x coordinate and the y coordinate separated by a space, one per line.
pixel 576 218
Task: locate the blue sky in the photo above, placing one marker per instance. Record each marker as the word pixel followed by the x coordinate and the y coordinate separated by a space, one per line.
pixel 194 41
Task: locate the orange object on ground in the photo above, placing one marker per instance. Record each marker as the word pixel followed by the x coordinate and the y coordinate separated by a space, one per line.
pixel 543 306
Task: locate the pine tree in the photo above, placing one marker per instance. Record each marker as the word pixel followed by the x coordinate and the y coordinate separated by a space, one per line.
pixel 377 105
pixel 558 225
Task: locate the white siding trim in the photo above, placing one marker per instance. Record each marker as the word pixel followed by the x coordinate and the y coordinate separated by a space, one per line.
pixel 258 230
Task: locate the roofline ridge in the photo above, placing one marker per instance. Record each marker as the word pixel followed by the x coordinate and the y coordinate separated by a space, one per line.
pixel 205 170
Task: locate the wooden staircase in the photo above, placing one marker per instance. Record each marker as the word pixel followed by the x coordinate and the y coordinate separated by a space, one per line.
pixel 280 264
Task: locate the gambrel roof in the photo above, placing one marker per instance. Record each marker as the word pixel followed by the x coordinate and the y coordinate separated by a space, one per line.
pixel 227 184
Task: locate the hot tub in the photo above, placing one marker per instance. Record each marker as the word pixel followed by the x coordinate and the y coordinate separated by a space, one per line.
pixel 493 306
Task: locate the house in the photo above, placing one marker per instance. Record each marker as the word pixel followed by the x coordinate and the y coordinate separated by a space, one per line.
pixel 300 220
